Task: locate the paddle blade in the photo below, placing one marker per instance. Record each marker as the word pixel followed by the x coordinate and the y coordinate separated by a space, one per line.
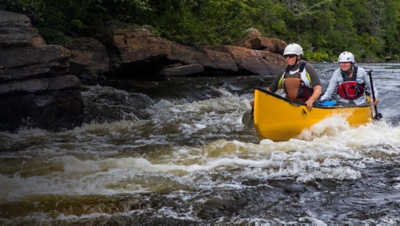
pixel 247 119
pixel 378 116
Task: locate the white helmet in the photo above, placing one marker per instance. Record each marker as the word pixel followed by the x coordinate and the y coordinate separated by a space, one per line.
pixel 293 48
pixel 346 56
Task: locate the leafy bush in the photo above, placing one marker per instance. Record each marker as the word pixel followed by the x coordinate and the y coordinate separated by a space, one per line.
pixel 316 56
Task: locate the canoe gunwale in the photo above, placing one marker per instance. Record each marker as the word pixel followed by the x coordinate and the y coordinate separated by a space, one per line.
pixel 298 103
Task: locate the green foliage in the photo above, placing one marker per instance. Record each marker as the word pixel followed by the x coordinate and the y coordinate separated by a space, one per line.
pixel 317 56
pixel 34 9
pixel 54 36
pixel 325 28
pixel 201 22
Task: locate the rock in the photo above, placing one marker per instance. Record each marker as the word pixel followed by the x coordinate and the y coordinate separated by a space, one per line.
pixel 190 69
pixel 252 33
pixel 14 29
pixel 55 111
pixel 36 90
pixel 89 60
pixel 273 45
pixel 140 45
pixel 217 61
pixel 144 55
pixel 18 57
pixel 248 60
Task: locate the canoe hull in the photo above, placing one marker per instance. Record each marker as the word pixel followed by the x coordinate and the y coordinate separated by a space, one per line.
pixel 278 119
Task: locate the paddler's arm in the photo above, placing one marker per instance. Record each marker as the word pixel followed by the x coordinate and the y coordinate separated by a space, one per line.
pixel 316 84
pixel 314 97
pixel 273 86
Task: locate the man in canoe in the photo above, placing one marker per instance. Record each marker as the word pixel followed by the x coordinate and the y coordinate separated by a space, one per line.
pixel 299 81
pixel 350 83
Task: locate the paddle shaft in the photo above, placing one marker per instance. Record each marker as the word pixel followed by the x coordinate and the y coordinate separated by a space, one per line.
pixel 377 115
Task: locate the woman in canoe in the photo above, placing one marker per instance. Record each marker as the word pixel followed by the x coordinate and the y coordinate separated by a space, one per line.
pixel 350 83
pixel 299 81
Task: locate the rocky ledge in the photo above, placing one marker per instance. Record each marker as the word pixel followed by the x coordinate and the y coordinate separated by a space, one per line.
pixel 36 89
pixel 40 83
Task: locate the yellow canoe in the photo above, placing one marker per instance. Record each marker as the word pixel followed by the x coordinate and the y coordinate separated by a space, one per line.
pixel 279 119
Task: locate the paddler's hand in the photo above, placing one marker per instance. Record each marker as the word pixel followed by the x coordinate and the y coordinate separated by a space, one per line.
pixel 375 101
pixel 317 92
pixel 309 104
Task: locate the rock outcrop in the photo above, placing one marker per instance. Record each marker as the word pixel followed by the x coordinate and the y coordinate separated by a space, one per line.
pixel 35 87
pixel 140 54
pixel 149 55
pixel 89 60
pixel 40 83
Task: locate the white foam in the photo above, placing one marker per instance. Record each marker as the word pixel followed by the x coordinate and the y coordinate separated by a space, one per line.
pixel 105 158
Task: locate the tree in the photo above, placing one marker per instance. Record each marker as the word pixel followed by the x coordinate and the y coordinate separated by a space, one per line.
pixel 369 28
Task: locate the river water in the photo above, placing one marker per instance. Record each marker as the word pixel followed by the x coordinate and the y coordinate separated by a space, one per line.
pixel 175 152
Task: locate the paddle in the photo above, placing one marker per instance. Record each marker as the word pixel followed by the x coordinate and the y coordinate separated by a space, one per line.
pixel 378 115
pixel 247 119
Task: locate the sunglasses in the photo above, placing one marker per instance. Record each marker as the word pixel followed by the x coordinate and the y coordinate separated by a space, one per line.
pixel 290 56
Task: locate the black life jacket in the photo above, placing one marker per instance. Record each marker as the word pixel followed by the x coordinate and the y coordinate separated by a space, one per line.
pixel 350 89
pixel 295 87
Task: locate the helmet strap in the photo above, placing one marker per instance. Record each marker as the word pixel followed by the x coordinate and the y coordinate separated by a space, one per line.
pixel 298 58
